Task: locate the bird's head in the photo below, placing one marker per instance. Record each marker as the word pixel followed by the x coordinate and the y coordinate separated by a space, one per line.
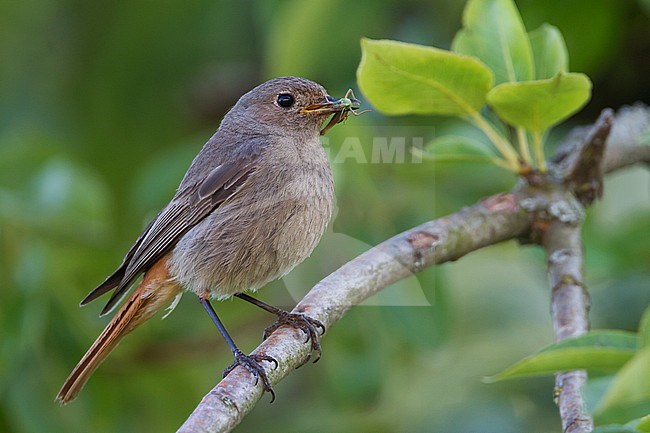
pixel 292 103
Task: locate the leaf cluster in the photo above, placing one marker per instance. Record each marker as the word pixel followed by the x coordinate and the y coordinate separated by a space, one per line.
pixel 494 64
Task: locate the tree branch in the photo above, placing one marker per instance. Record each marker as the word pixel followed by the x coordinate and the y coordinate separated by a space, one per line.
pixel 583 181
pixel 569 310
pixel 493 220
pixel 585 177
pixel 628 142
pixel 497 218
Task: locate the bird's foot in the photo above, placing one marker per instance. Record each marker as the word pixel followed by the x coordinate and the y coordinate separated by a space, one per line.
pixel 300 321
pixel 252 364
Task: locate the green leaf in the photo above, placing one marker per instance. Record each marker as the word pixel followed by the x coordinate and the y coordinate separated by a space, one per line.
pixel 597 350
pixel 629 394
pixel 401 78
pixel 643 424
pixel 602 338
pixel 639 425
pixel 614 428
pixel 447 144
pixel 549 51
pixel 455 148
pixel 493 32
pixel 538 105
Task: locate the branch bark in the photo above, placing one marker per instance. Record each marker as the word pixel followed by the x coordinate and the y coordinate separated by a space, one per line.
pixel 583 182
pixel 569 308
pixel 585 176
pixel 498 218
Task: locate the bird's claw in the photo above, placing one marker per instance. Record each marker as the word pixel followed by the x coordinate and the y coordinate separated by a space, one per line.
pixel 252 364
pixel 300 321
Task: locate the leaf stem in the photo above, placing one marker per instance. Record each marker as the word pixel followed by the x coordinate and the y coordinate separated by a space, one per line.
pixel 500 162
pixel 503 146
pixel 524 150
pixel 539 151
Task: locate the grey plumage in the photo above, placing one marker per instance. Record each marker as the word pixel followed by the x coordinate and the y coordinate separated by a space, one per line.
pixel 260 144
pixel 260 233
pixel 253 204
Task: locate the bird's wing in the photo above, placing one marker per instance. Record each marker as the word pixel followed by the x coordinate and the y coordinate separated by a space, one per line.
pixel 187 209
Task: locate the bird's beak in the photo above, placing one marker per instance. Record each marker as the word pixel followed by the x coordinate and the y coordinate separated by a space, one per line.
pixel 331 105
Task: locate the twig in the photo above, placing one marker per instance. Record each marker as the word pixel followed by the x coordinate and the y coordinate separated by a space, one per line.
pixel 629 139
pixel 585 176
pixel 628 142
pixel 569 309
pixel 561 238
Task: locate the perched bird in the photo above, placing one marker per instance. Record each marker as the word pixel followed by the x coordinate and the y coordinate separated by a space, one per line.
pixel 253 204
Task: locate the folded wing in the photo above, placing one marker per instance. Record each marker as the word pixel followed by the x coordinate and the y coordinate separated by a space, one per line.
pixel 187 209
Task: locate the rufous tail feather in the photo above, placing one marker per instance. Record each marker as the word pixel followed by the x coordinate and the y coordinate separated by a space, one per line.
pixel 156 291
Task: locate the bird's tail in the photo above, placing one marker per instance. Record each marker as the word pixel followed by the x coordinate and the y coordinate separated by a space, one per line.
pixel 155 291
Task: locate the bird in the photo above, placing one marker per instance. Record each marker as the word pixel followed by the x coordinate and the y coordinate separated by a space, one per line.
pixel 253 204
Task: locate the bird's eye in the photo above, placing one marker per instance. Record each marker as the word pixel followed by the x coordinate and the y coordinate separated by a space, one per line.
pixel 285 100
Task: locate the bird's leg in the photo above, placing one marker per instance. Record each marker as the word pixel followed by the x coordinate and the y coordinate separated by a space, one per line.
pixel 250 362
pixel 300 321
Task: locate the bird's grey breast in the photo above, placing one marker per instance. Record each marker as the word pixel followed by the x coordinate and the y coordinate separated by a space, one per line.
pixel 269 226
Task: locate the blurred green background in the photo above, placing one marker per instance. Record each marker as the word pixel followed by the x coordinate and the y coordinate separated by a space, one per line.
pixel 104 104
